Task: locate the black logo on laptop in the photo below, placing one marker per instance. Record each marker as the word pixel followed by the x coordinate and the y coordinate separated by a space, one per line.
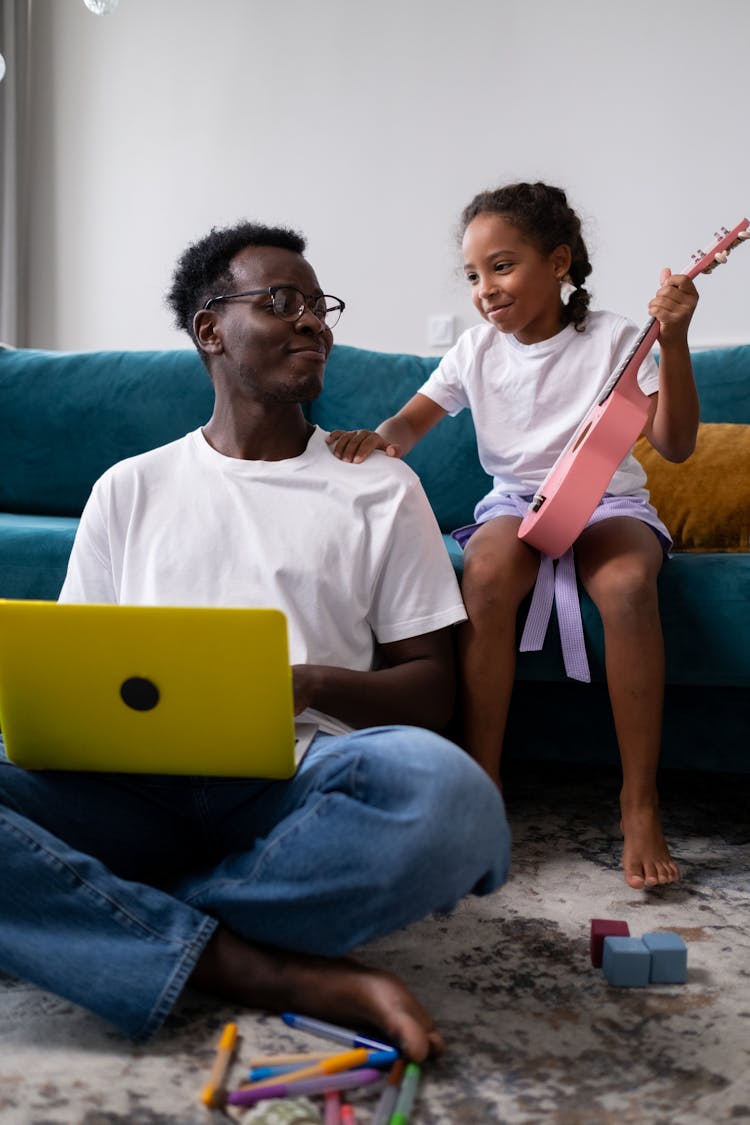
pixel 139 693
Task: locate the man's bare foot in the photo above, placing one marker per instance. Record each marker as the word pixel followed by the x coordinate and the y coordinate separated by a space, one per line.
pixel 338 989
pixel 645 857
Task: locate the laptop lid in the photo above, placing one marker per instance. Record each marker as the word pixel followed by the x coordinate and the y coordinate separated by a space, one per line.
pixel 147 689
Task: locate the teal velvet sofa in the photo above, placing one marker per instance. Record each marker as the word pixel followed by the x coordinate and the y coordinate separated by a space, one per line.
pixel 65 417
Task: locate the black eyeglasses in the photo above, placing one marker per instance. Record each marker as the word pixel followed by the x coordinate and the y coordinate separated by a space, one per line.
pixel 290 303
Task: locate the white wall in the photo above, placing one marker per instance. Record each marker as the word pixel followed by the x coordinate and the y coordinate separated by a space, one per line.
pixel 369 126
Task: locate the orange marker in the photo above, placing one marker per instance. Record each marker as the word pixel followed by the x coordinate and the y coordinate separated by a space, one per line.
pixel 213 1092
pixel 345 1061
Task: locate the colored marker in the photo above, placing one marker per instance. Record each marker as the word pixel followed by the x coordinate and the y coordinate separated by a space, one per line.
pixel 296 1057
pixel 348 1116
pixel 387 1103
pixel 336 1034
pixel 365 1076
pixel 347 1060
pixel 333 1107
pixel 213 1092
pixel 406 1095
pixel 261 1073
pixel 371 1058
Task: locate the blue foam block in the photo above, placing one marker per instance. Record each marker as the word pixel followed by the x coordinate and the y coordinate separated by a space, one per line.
pixel 668 958
pixel 626 962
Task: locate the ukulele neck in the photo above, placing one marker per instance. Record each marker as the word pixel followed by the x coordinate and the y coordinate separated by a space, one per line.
pixel 625 377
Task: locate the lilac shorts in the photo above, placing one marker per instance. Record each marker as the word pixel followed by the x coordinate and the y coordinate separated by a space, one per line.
pixel 557 583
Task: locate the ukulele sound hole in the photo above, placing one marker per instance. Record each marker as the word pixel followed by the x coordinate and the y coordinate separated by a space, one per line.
pixel 581 436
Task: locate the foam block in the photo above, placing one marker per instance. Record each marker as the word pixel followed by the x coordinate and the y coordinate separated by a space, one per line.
pixel 626 962
pixel 601 928
pixel 668 958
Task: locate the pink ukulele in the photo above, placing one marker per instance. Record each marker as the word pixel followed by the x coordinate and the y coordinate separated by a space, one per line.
pixel 577 481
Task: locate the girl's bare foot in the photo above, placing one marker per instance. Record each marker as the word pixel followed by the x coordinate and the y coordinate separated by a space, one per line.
pixel 337 989
pixel 645 857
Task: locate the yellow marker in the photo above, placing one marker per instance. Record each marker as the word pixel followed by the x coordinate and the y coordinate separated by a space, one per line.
pixel 213 1092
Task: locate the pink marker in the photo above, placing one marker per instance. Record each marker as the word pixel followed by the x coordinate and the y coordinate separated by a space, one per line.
pixel 333 1108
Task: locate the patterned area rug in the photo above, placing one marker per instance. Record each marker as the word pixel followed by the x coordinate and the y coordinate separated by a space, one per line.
pixel 535 1033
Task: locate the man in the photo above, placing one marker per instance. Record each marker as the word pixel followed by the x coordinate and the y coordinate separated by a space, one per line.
pixel 118 891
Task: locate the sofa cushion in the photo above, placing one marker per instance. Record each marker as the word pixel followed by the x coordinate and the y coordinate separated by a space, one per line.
pixel 704 501
pixel 722 376
pixel 35 552
pixel 66 417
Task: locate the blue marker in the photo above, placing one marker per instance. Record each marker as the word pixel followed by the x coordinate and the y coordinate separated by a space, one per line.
pixel 337 1034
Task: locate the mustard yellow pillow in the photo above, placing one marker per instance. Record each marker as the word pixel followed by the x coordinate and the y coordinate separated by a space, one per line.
pixel 704 501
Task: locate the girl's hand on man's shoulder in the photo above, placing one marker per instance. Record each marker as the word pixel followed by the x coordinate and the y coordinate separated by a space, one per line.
pixel 357 445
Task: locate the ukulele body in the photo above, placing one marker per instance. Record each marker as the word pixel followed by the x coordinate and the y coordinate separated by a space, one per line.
pixel 577 483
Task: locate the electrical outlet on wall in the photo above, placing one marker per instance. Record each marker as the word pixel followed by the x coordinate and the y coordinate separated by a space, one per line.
pixel 441 331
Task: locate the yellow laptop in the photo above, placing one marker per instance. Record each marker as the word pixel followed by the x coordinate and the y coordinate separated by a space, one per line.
pixel 147 689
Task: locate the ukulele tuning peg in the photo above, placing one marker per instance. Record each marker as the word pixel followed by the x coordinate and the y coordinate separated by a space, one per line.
pixel 721 257
pixel 744 234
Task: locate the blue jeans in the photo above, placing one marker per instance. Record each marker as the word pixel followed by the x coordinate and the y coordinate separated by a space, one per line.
pixel 111 885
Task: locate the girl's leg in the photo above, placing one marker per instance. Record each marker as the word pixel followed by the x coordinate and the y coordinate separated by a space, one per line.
pixel 499 570
pixel 618 562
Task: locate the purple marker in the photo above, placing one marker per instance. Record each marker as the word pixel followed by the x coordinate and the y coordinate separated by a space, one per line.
pixel 344 1081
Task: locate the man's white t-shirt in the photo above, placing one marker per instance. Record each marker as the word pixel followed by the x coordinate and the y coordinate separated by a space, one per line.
pixel 527 400
pixel 352 554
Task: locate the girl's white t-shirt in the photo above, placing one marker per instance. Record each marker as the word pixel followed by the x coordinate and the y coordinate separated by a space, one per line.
pixel 352 554
pixel 527 400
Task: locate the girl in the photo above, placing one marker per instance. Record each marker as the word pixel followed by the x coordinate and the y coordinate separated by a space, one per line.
pixel 529 375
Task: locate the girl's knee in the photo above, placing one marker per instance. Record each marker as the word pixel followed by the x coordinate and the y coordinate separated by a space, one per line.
pixel 493 581
pixel 626 588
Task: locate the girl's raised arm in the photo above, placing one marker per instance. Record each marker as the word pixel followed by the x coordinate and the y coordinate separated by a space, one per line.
pixel 673 418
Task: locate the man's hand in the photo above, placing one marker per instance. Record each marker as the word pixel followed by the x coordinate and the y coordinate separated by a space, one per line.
pixel 357 445
pixel 302 686
pixel 414 684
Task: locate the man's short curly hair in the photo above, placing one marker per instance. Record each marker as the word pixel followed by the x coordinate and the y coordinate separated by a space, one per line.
pixel 203 270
